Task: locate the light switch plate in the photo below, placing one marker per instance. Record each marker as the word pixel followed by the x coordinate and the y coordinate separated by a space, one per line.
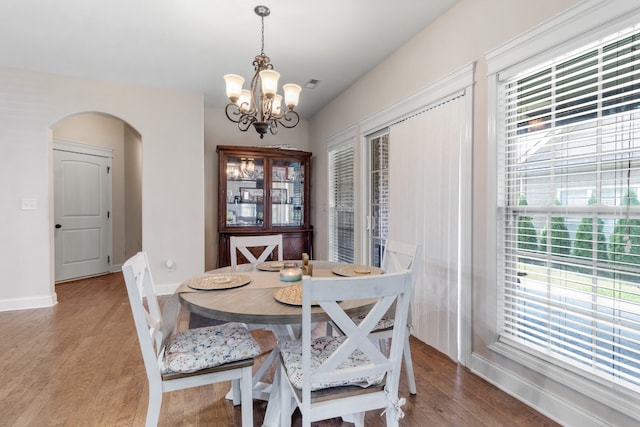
pixel 29 204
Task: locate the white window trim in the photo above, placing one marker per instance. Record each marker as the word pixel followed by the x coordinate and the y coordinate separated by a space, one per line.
pixel 584 23
pixel 345 137
pixel 458 81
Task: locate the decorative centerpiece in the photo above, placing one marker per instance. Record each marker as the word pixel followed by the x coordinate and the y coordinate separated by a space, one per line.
pixel 290 272
pixel 307 269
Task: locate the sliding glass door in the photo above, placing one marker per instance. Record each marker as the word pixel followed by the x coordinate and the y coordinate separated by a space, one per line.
pixel 378 191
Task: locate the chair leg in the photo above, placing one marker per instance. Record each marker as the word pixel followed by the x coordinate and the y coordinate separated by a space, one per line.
pixel 285 398
pixel 266 364
pixel 329 329
pixel 358 419
pixel 235 392
pixel 155 403
pixel 408 362
pixel 246 394
pixel 392 419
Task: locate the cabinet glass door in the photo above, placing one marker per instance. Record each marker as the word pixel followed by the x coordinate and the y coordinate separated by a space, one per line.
pixel 287 193
pixel 245 192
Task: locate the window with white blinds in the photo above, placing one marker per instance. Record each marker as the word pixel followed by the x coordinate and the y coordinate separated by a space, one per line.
pixel 569 179
pixel 341 203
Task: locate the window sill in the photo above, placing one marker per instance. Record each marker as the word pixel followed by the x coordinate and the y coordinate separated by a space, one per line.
pixel 618 398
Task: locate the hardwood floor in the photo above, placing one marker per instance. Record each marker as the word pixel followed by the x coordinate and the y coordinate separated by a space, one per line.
pixel 79 364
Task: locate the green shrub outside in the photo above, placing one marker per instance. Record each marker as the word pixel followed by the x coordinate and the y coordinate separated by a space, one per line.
pixel 560 239
pixel 626 227
pixel 583 244
pixel 527 235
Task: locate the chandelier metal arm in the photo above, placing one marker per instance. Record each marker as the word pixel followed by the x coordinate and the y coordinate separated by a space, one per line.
pixel 236 115
pixel 290 119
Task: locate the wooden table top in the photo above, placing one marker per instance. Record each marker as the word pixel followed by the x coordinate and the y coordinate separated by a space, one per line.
pixel 255 303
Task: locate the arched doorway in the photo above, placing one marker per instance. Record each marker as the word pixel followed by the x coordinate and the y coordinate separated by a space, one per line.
pixel 96 133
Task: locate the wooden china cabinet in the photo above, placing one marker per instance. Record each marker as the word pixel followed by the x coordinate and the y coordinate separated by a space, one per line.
pixel 264 191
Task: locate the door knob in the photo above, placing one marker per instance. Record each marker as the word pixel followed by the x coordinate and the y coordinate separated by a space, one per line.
pixel 58 226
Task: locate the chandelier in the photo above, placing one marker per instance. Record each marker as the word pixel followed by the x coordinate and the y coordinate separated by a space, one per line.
pixel 261 106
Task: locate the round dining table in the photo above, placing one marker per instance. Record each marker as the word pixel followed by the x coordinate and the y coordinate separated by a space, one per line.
pixel 254 302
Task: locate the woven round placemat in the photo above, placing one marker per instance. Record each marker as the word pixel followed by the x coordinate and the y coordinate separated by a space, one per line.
pixel 210 282
pixel 356 270
pixel 291 295
pixel 270 265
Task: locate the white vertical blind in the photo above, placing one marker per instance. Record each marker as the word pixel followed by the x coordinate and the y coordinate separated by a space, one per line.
pixel 570 176
pixel 424 183
pixel 341 202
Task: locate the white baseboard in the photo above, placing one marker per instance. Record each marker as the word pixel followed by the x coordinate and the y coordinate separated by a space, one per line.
pixel 51 300
pixel 551 405
pixel 28 303
pixel 166 288
pixel 163 289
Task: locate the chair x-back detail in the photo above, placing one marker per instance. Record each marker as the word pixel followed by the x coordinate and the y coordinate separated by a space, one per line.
pixel 400 256
pixel 194 357
pixel 349 374
pixel 268 243
pixel 244 243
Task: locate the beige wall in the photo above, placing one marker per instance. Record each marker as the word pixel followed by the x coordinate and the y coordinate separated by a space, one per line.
pixel 132 192
pixel 171 127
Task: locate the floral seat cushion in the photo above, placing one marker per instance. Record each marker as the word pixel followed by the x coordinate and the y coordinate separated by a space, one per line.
pixel 195 349
pixel 321 349
pixel 383 323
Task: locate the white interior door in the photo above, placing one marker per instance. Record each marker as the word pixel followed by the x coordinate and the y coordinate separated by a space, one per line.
pixel 82 205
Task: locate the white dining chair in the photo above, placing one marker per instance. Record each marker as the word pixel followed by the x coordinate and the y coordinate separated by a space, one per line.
pixel 242 244
pixel 267 244
pixel 190 358
pixel 346 375
pixel 399 256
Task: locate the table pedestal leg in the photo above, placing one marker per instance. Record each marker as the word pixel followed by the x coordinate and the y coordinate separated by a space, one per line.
pixel 272 414
pixel 262 390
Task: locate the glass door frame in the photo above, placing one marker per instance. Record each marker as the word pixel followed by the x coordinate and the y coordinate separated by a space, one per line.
pixel 287 191
pixel 242 194
pixel 374 245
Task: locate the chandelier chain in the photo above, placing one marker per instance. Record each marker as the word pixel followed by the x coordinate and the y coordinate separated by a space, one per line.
pixel 262 45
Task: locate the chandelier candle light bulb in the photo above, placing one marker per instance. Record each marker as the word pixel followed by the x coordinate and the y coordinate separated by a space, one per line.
pixel 277 104
pixel 261 105
pixel 234 86
pixel 291 95
pixel 269 81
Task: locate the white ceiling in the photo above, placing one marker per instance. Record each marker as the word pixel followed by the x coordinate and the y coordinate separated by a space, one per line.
pixel 190 44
